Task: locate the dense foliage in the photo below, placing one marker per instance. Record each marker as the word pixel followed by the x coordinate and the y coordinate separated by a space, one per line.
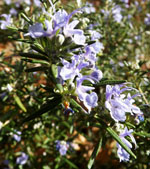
pixel 75 84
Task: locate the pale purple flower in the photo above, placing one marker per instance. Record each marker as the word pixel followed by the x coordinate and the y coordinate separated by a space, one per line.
pixel 89 8
pixel 6 22
pixel 17 136
pixel 117 109
pixel 122 154
pixel 22 159
pixel 97 47
pixel 17 4
pixel 96 75
pixel 90 55
pixel 82 90
pixel 147 19
pixel 89 100
pixel 37 3
pixel 139 8
pixel 59 20
pixel 92 26
pixel 36 30
pixel 70 70
pixel 77 35
pixel 126 2
pixel 13 11
pixel 116 11
pixel 118 104
pixel 8 2
pixel 79 39
pixel 106 14
pixel 95 35
pixel 69 29
pixel 134 109
pixel 62 147
pixel 2 95
pixel 138 37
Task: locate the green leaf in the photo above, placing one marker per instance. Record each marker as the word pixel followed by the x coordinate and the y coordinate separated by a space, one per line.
pixel 33 56
pixel 70 163
pixel 94 154
pixel 117 138
pixel 46 167
pixel 109 82
pixel 91 42
pixel 18 101
pixel 35 61
pixel 38 48
pixel 142 134
pixel 55 1
pixel 26 18
pixel 130 125
pixel 50 105
pixel 54 71
pixel 35 69
pixel 76 105
pixel 16 29
pixel 20 40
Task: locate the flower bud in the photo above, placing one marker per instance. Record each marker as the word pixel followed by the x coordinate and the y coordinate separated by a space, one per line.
pixel 60 39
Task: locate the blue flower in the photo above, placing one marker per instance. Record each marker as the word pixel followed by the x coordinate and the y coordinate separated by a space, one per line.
pixel 22 159
pixel 17 136
pixel 79 39
pixel 97 47
pixel 37 3
pixel 8 2
pixel 36 31
pixel 67 111
pixel 123 154
pixel 90 55
pixel 89 100
pixel 141 118
pixel 6 22
pixel 59 20
pixel 70 70
pixel 116 11
pixel 147 19
pixel 95 35
pixel 117 109
pixel 62 147
pixel 82 90
pixel 118 105
pixel 89 8
pixel 13 11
